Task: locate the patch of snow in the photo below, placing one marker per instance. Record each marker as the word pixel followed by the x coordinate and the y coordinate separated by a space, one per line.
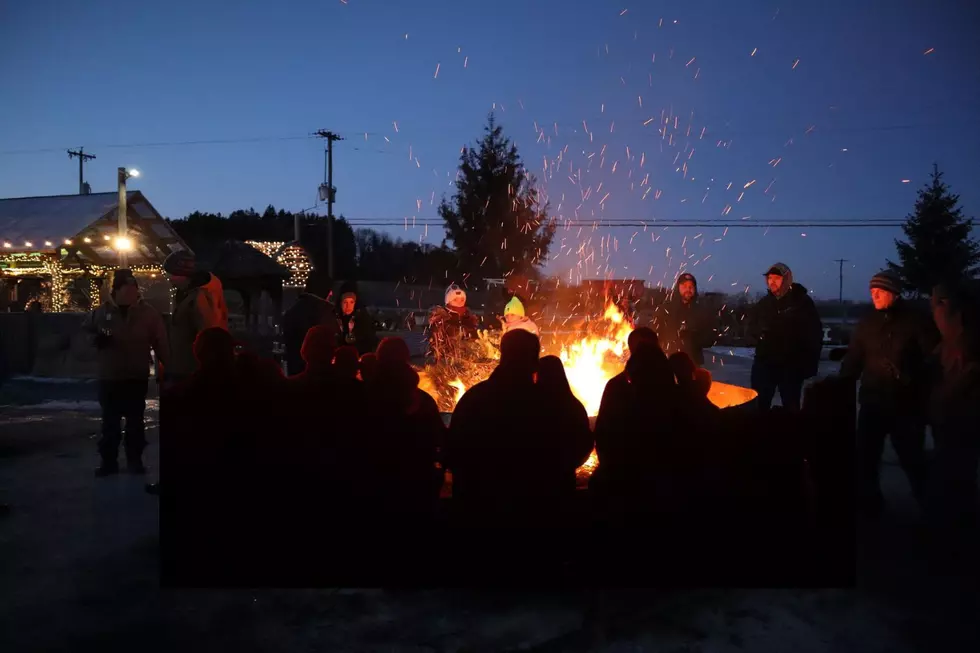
pixel 80 406
pixel 737 352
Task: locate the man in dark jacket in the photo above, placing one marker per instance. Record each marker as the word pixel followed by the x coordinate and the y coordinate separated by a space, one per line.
pixel 311 309
pixel 682 324
pixel 125 330
pixel 356 324
pixel 789 337
pixel 888 353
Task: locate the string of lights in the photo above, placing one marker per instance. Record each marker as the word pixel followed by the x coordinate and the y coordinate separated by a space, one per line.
pixel 289 255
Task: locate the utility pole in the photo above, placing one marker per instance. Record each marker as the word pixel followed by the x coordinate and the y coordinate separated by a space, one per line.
pixel 841 262
pixel 82 158
pixel 329 193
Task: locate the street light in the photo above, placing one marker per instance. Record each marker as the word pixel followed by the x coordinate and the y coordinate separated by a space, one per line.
pixel 123 244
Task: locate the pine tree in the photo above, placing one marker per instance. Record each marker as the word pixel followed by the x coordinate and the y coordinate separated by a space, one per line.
pixel 939 247
pixel 496 221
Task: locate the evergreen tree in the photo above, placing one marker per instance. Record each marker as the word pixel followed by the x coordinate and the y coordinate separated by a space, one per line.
pixel 939 247
pixel 497 221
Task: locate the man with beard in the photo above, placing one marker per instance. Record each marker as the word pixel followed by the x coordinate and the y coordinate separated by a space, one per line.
pixel 789 337
pixel 682 323
pixel 311 309
pixel 356 324
pixel 451 324
pixel 888 353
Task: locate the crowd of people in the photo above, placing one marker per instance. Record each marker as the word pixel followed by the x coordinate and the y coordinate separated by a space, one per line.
pixel 345 435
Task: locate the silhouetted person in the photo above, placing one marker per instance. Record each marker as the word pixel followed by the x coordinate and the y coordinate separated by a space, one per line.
pixel 317 351
pixel 346 363
pixel 684 369
pixel 702 383
pixel 789 338
pixel 510 464
pixel 955 407
pixel 356 324
pixel 635 438
pixel 367 366
pixel 683 324
pixel 311 309
pixel 574 420
pixel 125 330
pixel 888 353
pixel 616 394
pixel 398 451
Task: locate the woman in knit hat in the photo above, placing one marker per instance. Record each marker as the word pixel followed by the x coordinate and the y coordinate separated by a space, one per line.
pixel 888 353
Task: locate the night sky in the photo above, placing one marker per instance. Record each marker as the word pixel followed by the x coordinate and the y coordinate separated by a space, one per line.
pixel 876 96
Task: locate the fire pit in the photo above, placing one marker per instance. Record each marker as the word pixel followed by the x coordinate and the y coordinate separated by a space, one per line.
pixel 722 395
pixel 590 360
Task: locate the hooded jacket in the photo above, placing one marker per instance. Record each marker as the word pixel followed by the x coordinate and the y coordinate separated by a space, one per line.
pixel 889 353
pixel 787 330
pixel 201 306
pixel 356 329
pixel 135 330
pixel 683 326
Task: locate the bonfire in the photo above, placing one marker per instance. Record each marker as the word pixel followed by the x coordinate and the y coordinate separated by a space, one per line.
pixel 590 360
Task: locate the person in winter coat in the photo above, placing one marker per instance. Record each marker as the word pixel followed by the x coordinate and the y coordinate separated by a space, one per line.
pixel 125 330
pixel 682 323
pixel 615 395
pixel 399 452
pixel 311 309
pixel 955 408
pixel 356 324
pixel 199 305
pixel 450 324
pixel 888 354
pixel 510 464
pixel 789 337
pixel 515 318
pixel 575 419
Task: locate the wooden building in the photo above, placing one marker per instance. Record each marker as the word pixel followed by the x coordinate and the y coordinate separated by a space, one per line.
pixel 57 251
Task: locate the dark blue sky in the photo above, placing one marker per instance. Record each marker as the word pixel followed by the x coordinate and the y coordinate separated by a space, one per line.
pixel 110 73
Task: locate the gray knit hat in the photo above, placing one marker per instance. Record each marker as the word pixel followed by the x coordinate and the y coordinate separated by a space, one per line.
pixel 887 280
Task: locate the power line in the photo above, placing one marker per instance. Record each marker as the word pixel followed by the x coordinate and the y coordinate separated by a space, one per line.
pixel 701 225
pixel 569 124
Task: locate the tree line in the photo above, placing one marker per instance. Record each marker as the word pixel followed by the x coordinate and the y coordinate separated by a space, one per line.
pixel 497 225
